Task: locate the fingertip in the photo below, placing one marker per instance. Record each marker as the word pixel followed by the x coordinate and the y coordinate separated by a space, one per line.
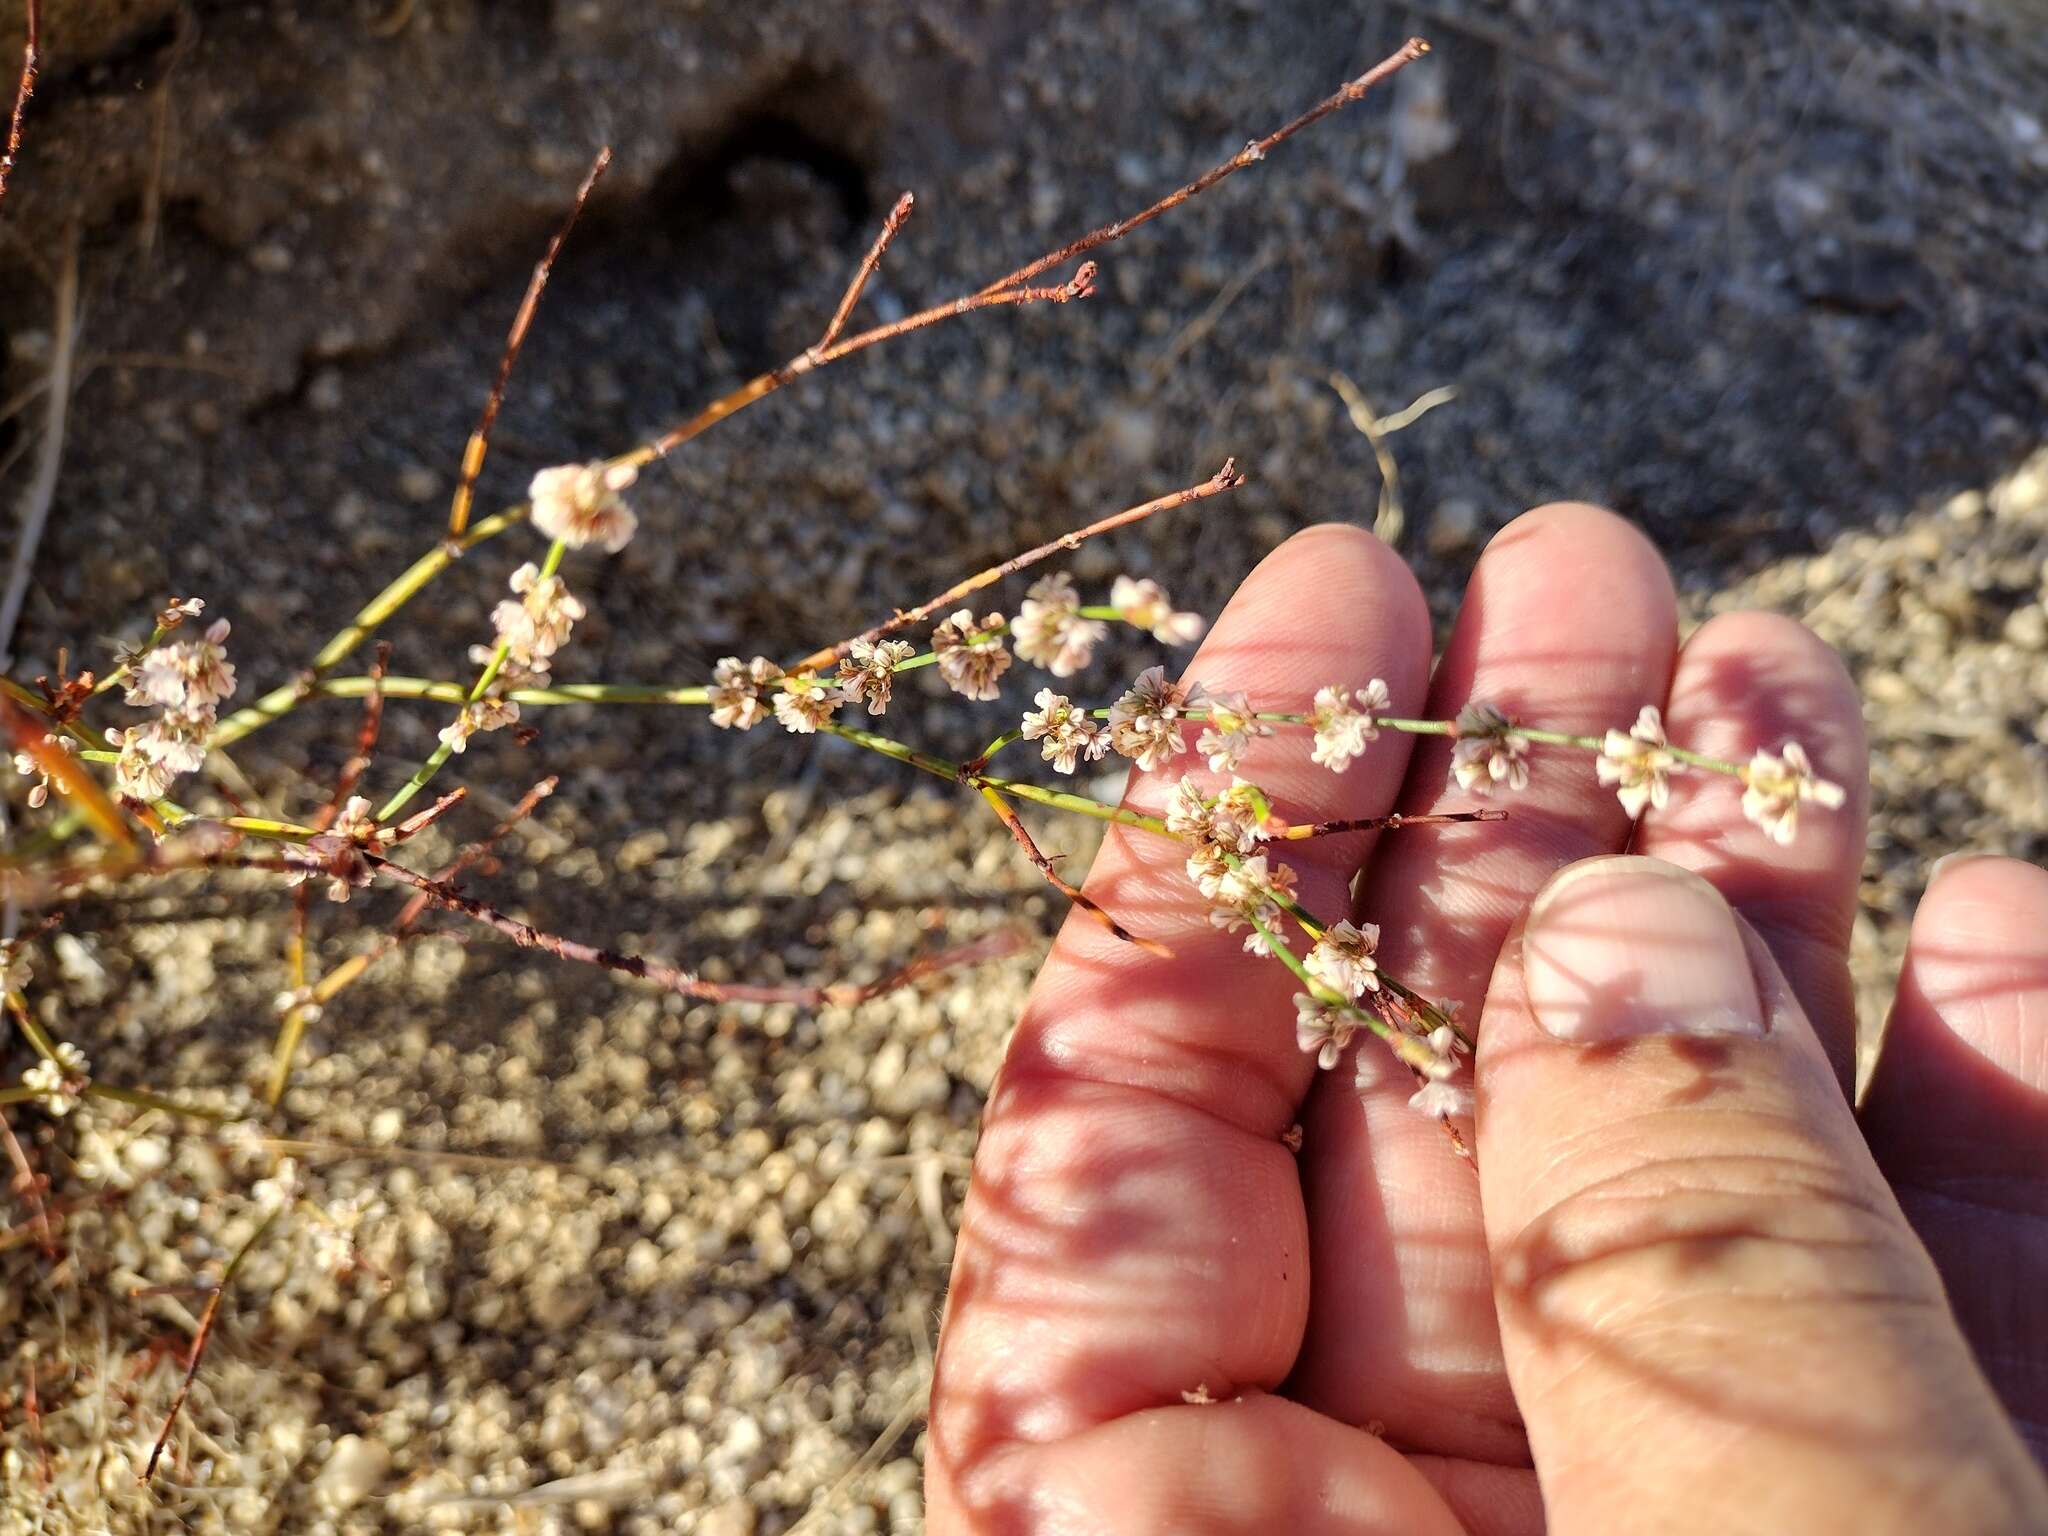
pixel 1333 590
pixel 1598 539
pixel 1977 968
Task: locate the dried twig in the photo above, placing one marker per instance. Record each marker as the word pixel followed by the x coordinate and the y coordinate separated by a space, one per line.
pixel 866 270
pixel 1251 154
pixel 29 1184
pixel 1073 893
pixel 1391 823
pixel 1225 479
pixel 672 977
pixel 480 440
pixel 30 57
pixel 291 1028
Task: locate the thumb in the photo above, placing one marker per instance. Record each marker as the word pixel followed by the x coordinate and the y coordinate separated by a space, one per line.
pixel 1714 1314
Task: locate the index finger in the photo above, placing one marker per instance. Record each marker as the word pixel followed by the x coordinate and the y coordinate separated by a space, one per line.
pixel 1135 1227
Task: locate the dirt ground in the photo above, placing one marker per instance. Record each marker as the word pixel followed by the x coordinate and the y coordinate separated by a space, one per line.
pixel 1771 280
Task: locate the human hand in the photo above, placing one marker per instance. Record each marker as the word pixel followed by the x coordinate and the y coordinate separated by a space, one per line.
pixel 1685 1288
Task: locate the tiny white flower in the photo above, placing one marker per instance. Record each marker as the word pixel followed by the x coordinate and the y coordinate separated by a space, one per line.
pixel 1050 631
pixel 736 692
pixel 580 504
pixel 486 714
pixel 62 1081
pixel 1322 1029
pixel 971 657
pixel 1490 752
pixel 1065 734
pixel 1777 785
pixel 804 703
pixel 1145 724
pixel 867 672
pixel 1145 605
pixel 1342 959
pixel 1639 763
pixel 1230 731
pixel 1344 722
pixel 1441 1099
pixel 535 623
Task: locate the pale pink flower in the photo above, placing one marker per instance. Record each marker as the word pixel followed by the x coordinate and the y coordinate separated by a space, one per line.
pixel 1777 785
pixel 189 676
pixel 971 656
pixel 1441 1099
pixel 867 672
pixel 1322 1029
pixel 1050 631
pixel 1344 721
pixel 1342 959
pixel 28 767
pixel 1489 752
pixel 580 504
pixel 1238 817
pixel 486 714
pixel 1145 605
pixel 804 703
pixel 1639 763
pixel 1145 724
pixel 537 623
pixel 1064 734
pixel 1230 730
pixel 736 692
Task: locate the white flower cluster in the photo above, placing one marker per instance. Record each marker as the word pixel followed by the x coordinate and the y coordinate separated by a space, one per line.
pixel 867 672
pixel 1145 605
pixel 532 624
pixel 1490 753
pixel 580 504
pixel 1145 725
pixel 60 1080
pixel 1776 786
pixel 1050 631
pixel 26 765
pixel 187 680
pixel 972 657
pixel 1345 721
pixel 337 854
pixel 1246 887
pixel 1638 763
pixel 1064 734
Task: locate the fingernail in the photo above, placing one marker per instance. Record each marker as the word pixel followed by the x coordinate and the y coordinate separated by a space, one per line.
pixel 1949 861
pixel 1620 947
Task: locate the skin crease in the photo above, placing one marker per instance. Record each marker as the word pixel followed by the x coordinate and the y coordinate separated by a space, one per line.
pixel 1383 1337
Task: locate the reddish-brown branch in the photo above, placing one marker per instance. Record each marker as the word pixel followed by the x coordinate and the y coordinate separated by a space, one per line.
pixel 663 975
pixel 866 270
pixel 345 782
pixel 1225 479
pixel 419 821
pixel 480 440
pixel 1080 286
pixel 30 1185
pixel 30 57
pixel 1251 154
pixel 1389 823
pixel 1073 893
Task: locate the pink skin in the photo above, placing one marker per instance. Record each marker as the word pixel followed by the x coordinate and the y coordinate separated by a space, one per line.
pixel 1136 1228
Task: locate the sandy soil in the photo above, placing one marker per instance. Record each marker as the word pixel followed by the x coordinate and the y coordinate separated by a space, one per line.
pixel 1772 286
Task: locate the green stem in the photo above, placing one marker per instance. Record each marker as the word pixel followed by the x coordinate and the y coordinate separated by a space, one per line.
pixel 443 750
pixel 283 700
pixel 142 1099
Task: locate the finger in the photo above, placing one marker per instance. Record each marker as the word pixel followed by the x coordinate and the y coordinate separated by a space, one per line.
pixel 1757 680
pixel 1957 1114
pixel 1255 1464
pixel 1569 622
pixel 1715 1315
pixel 1134 1228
